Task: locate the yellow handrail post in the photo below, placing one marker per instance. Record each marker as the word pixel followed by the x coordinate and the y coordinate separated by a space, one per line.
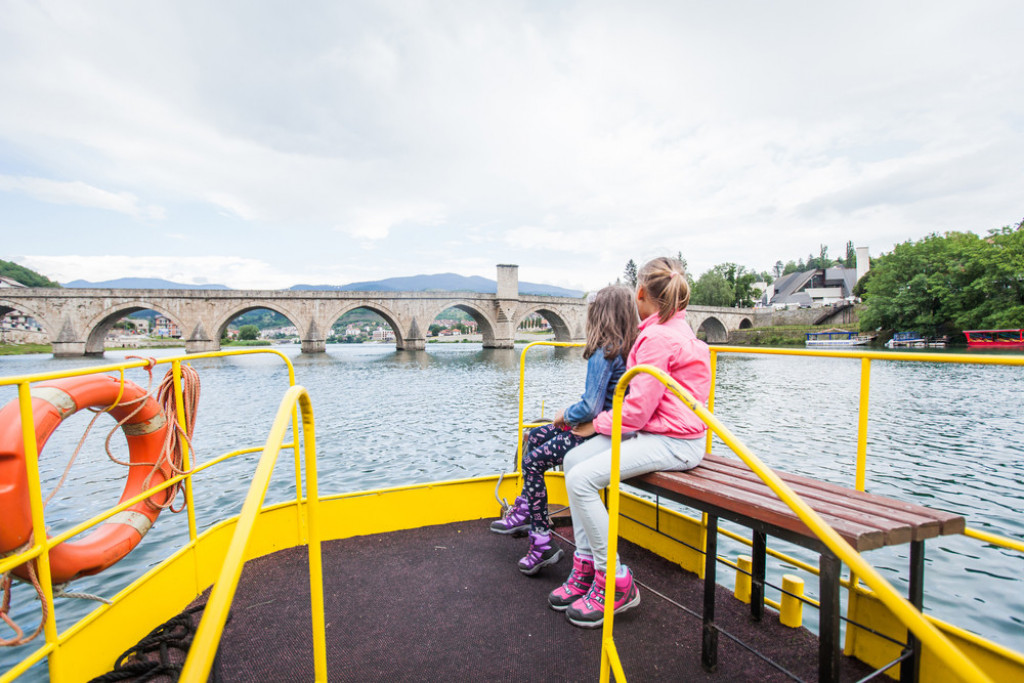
pixel 862 421
pixel 204 645
pixel 39 539
pixel 316 572
pixel 711 395
pixel 609 655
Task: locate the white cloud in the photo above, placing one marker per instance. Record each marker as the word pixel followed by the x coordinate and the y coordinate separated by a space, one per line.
pixel 382 139
pixel 77 193
pixel 235 272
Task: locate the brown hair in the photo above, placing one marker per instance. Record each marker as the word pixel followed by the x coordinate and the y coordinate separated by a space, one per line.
pixel 664 281
pixel 612 322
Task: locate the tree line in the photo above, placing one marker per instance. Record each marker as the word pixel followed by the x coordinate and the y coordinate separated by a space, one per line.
pixel 944 284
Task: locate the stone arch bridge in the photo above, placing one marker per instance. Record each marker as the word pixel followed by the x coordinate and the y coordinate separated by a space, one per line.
pixel 76 321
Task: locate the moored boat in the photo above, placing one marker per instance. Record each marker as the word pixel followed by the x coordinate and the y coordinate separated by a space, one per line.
pixel 994 338
pixel 829 339
pixel 438 582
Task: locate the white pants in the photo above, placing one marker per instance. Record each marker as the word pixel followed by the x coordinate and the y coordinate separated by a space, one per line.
pixel 588 470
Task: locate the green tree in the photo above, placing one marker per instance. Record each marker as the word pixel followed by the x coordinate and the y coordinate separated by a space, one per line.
pixel 712 289
pixel 949 283
pixel 248 332
pixel 851 256
pixel 630 273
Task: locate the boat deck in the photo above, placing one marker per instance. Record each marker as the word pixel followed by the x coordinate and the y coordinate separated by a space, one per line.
pixel 447 603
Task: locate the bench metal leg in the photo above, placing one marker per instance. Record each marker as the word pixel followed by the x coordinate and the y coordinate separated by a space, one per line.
pixel 829 568
pixel 709 637
pixel 759 544
pixel 910 669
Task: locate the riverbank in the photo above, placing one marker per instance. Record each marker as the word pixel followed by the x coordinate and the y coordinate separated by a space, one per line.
pixel 19 349
pixel 779 335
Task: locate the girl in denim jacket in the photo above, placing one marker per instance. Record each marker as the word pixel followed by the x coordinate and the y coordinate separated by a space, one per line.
pixel 611 330
pixel 662 433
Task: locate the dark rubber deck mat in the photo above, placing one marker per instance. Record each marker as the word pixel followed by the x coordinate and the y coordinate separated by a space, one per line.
pixel 448 603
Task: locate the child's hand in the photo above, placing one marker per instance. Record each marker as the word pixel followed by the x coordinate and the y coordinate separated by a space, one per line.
pixel 584 429
pixel 559 420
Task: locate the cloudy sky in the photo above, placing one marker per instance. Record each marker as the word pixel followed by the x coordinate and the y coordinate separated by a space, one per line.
pixel 263 144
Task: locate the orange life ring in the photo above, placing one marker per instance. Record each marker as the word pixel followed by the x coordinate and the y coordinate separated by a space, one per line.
pixel 145 431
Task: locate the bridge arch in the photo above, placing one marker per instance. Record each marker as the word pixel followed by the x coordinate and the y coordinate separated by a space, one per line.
pixel 225 318
pixel 559 325
pixel 713 331
pixel 483 321
pixel 50 327
pixel 746 324
pixel 390 317
pixel 96 329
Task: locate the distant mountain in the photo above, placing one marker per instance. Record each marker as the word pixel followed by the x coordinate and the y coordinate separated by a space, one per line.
pixel 444 282
pixel 138 283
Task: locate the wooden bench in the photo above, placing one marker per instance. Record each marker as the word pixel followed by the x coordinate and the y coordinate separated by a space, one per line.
pixel 725 488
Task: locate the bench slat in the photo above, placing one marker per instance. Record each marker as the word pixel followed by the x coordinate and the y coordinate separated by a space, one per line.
pixel 948 522
pixel 769 510
pixel 866 521
pixel 872 509
pixel 831 508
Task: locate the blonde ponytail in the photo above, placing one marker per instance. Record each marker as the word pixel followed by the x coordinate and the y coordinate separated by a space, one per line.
pixel 664 281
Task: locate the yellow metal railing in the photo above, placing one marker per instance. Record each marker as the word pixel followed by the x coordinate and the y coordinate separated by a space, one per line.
pixel 865 358
pixel 41 543
pixel 928 634
pixel 204 647
pixel 522 393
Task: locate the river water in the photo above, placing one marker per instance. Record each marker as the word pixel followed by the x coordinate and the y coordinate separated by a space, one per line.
pixel 946 436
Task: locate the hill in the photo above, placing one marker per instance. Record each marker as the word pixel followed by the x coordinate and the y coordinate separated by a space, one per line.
pixel 25 276
pixel 444 282
pixel 138 283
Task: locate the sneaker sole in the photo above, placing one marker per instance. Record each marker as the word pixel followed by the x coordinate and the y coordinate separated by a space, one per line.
pixel 594 624
pixel 543 563
pixel 514 531
pixel 562 608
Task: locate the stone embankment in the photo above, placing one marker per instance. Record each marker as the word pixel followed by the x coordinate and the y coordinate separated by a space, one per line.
pixel 789 327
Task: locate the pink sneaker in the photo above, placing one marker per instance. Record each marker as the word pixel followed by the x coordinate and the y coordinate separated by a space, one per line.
pixel 588 611
pixel 575 586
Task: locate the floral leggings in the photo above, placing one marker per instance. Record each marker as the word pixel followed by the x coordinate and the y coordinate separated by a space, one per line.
pixel 546 447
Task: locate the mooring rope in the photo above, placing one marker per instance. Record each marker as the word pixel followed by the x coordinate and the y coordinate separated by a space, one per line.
pixel 171 455
pixel 152 657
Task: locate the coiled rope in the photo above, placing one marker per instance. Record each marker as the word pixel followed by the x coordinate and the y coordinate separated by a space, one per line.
pixel 161 653
pixel 171 455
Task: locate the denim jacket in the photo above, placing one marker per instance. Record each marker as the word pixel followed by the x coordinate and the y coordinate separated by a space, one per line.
pixel 599 390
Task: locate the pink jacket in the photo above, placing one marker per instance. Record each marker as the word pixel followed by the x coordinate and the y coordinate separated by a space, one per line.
pixel 649 406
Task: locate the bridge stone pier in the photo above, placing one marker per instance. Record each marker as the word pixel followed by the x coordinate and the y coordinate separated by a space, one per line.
pixel 76 321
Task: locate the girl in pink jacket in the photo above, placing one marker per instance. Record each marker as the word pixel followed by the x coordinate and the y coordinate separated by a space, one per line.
pixel 659 433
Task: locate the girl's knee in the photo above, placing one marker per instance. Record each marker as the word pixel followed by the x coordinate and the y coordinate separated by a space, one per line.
pixel 578 484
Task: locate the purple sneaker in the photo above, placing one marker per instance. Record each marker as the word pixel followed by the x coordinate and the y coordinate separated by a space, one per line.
pixel 588 611
pixel 516 520
pixel 542 553
pixel 576 586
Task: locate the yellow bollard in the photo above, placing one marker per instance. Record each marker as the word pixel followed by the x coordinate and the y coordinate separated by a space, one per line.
pixel 742 590
pixel 792 611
